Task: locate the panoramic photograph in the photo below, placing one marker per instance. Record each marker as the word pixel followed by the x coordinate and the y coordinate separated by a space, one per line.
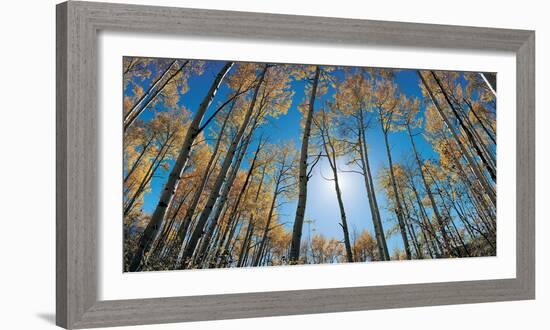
pixel 243 164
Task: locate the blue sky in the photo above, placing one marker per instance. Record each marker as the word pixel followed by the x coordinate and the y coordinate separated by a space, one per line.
pixel 322 205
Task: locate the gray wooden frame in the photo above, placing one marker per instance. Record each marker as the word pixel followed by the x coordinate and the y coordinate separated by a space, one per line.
pixel 77 160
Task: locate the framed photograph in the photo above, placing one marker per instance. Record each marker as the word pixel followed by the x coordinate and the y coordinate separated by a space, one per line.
pixel 218 165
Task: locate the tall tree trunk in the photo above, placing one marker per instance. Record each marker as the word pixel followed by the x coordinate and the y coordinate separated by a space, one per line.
pixel 163 238
pixel 265 233
pixel 369 185
pixel 430 195
pixel 268 223
pixel 451 221
pixel 258 191
pixel 205 240
pixel 263 253
pixel 225 244
pixel 245 244
pixel 232 223
pixel 463 218
pixel 427 224
pixel 398 207
pixel 220 204
pixel 410 227
pixel 175 175
pixel 344 223
pixel 428 242
pixel 182 230
pixel 303 175
pixel 331 156
pixel 201 222
pixel 459 208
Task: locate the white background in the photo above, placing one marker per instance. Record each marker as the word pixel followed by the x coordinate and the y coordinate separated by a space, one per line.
pixel 27 187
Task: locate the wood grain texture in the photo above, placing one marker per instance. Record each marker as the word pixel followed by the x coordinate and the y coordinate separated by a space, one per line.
pixel 77 137
pixel 61 166
pixel 77 185
pixel 525 165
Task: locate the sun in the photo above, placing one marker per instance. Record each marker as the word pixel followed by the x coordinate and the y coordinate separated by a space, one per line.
pixel 346 180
